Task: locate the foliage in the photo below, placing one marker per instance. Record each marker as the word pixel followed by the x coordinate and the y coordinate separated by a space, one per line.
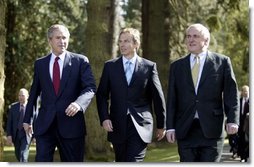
pixel 3 8
pixel 132 14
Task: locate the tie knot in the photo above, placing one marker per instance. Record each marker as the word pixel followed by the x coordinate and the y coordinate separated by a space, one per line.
pixel 128 63
pixel 196 59
pixel 22 107
pixel 56 59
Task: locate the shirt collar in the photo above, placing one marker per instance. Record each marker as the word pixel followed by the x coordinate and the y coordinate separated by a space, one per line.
pixel 201 55
pixel 132 60
pixel 61 56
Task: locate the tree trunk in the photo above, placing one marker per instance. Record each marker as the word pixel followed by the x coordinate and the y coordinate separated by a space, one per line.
pixel 99 39
pixel 155 39
pixel 2 75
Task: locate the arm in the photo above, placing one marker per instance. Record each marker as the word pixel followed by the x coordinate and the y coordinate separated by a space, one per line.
pixel 231 98
pixel 88 85
pixel 88 89
pixel 32 101
pixel 171 107
pixel 159 104
pixel 102 95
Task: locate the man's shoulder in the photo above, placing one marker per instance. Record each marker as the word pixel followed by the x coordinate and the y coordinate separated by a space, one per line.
pixel 113 61
pixel 180 60
pixel 13 104
pixel 146 61
pixel 43 58
pixel 217 55
pixel 77 56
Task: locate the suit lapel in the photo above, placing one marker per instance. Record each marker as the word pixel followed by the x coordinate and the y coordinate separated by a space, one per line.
pixel 48 78
pixel 138 65
pixel 119 68
pixel 17 109
pixel 66 72
pixel 187 70
pixel 209 63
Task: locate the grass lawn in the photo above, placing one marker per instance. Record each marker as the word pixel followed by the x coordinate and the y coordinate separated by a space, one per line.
pixel 157 152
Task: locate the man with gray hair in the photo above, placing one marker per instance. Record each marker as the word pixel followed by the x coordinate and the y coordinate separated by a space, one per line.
pixel 202 89
pixel 15 132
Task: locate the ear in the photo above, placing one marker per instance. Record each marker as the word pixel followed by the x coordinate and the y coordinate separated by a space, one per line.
pixel 207 42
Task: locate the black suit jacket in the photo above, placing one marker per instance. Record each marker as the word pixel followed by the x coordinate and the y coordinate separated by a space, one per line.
pixel 243 113
pixel 217 95
pixel 76 82
pixel 115 96
pixel 13 120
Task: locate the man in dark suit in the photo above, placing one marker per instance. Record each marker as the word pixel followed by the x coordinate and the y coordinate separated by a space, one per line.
pixel 243 143
pixel 202 88
pixel 66 86
pixel 129 85
pixel 15 132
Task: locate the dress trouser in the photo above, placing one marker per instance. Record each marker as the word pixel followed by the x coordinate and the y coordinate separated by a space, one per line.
pixel 195 147
pixel 133 149
pixel 22 144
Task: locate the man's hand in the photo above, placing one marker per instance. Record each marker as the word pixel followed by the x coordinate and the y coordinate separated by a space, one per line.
pixel 72 109
pixel 171 136
pixel 107 125
pixel 160 133
pixel 231 128
pixel 28 129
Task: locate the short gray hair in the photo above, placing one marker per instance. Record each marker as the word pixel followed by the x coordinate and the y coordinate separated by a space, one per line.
pixel 202 29
pixel 57 27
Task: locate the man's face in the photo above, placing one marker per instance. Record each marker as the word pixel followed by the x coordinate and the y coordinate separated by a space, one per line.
pixel 23 96
pixel 127 45
pixel 245 92
pixel 59 41
pixel 195 42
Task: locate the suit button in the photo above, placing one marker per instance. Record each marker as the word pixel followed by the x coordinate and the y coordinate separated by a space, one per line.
pixel 197 101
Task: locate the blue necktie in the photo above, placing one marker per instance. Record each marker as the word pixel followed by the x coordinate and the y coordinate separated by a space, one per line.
pixel 128 72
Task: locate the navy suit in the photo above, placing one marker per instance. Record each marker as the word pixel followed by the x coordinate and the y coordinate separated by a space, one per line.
pixel 20 140
pixel 143 91
pixel 76 83
pixel 217 95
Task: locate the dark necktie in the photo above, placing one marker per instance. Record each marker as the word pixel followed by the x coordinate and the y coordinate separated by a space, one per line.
pixel 245 103
pixel 56 75
pixel 21 116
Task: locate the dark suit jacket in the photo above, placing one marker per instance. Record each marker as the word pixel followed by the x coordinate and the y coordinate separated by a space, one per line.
pixel 144 89
pixel 217 95
pixel 243 113
pixel 13 120
pixel 76 81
